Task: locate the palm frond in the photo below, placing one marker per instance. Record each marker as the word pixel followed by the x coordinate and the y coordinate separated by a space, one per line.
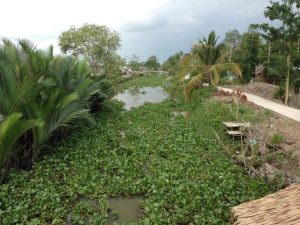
pixel 218 68
pixel 195 81
pixel 188 64
pixel 11 128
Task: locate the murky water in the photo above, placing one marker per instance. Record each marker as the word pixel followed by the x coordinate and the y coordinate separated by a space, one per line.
pixel 121 210
pixel 135 97
pixel 128 209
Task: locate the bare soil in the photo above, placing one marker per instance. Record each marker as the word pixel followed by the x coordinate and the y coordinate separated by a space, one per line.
pixel 290 130
pixel 287 161
pixel 261 89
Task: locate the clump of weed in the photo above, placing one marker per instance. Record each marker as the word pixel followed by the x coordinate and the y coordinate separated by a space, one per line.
pixel 276 139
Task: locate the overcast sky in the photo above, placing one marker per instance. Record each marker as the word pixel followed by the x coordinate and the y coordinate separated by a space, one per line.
pixel 147 27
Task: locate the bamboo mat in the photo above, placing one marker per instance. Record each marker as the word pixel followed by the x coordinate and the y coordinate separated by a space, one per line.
pixel 282 207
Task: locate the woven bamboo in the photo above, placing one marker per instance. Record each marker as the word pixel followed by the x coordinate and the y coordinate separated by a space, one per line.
pixel 282 207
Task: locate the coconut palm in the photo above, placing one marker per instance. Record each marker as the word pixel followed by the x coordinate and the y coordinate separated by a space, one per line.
pixel 206 62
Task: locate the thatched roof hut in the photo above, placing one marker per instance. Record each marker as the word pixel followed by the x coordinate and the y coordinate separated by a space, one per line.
pixel 282 207
pixel 260 73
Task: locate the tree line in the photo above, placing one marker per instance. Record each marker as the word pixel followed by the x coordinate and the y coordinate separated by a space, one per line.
pixel 275 47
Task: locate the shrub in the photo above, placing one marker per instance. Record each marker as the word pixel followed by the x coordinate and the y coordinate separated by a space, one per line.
pixel 55 90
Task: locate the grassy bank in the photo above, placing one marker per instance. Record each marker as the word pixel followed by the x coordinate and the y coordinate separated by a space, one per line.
pixel 152 81
pixel 176 163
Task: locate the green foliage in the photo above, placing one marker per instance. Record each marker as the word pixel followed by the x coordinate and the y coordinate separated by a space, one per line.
pixel 135 63
pixel 55 90
pixel 97 43
pixel 285 34
pixel 152 63
pixel 11 128
pixel 279 94
pixel 152 80
pixel 277 139
pixel 205 62
pixel 232 41
pixel 248 55
pixel 171 65
pixel 176 163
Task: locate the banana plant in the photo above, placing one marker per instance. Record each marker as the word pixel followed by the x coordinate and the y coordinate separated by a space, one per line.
pixel 206 62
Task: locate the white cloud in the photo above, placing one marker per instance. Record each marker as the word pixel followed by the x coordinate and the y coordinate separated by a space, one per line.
pixel 36 17
pixel 147 27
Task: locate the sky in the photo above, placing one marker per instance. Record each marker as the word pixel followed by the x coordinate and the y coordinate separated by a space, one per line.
pixel 147 27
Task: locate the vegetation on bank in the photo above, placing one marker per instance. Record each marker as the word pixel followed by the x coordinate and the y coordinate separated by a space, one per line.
pixel 168 152
pixel 175 162
pixel 206 64
pixel 40 96
pixel 271 49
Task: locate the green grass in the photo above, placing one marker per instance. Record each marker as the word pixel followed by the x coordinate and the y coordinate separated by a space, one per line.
pixel 176 163
pixel 276 139
pixel 151 81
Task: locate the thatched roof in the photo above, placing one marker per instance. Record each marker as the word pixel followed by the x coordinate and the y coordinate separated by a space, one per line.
pixel 283 207
pixel 260 70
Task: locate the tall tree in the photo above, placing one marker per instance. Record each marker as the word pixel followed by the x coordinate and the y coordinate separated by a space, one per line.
pixel 97 43
pixel 134 63
pixel 172 63
pixel 206 61
pixel 248 54
pixel 232 41
pixel 152 63
pixel 287 32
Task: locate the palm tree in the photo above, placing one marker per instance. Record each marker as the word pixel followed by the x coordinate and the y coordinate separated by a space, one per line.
pixel 11 128
pixel 53 89
pixel 206 62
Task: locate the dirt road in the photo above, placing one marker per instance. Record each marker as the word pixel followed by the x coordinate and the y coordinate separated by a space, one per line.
pixel 289 112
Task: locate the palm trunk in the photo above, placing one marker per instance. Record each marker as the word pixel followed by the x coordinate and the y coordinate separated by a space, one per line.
pixel 269 52
pixel 230 54
pixel 298 47
pixel 287 80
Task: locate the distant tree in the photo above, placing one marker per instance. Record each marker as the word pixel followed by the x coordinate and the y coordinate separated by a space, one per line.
pixel 172 63
pixel 134 63
pixel 152 63
pixel 97 43
pixel 232 41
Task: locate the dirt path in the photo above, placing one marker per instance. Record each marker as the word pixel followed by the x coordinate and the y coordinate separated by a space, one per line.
pixel 289 112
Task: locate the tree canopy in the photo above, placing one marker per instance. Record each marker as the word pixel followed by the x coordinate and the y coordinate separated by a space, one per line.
pixel 97 43
pixel 152 63
pixel 205 63
pixel 286 34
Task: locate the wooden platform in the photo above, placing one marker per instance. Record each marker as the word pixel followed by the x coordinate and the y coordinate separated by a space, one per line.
pixel 235 129
pixel 235 133
pixel 280 208
pixel 236 125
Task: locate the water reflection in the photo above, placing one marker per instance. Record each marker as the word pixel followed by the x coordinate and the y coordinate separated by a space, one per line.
pixel 135 97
